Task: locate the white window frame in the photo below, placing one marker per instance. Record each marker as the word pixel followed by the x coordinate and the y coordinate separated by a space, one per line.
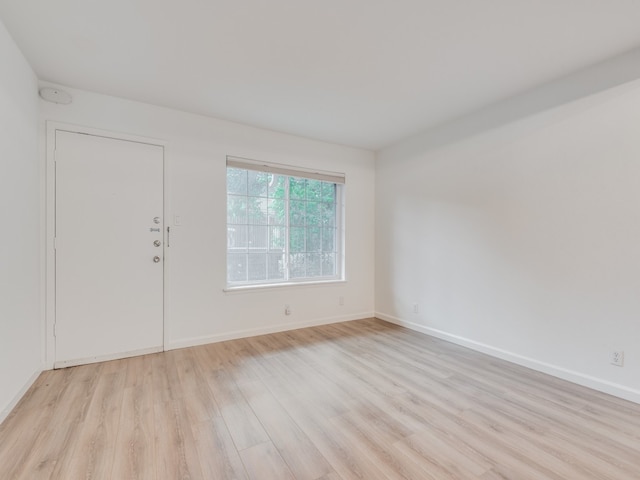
pixel 291 171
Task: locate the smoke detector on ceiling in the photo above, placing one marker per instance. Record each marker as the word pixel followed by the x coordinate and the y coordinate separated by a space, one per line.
pixel 55 95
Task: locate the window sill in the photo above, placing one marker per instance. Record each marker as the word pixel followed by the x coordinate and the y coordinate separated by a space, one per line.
pixel 271 286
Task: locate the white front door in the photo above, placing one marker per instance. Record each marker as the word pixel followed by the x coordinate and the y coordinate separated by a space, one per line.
pixel 109 247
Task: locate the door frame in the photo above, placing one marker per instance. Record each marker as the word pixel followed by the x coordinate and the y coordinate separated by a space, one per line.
pixel 49 317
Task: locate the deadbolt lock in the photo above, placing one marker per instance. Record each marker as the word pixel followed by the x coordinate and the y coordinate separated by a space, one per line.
pixel 156 243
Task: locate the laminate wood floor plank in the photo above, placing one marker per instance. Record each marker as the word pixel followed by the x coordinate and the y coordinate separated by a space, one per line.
pixel 174 443
pixel 254 363
pixel 427 448
pixel 237 358
pixel 95 443
pixel 35 397
pixel 513 378
pixel 524 448
pixel 322 403
pixel 264 461
pixel 569 435
pixel 62 426
pixel 330 476
pixel 491 448
pixel 541 439
pixel 218 455
pixel 37 405
pixel 245 428
pixel 359 400
pixel 375 445
pixel 297 450
pixel 328 375
pixel 194 391
pixel 135 455
pixel 267 360
pixel 139 370
pixel 345 457
pixel 545 434
pixel 573 420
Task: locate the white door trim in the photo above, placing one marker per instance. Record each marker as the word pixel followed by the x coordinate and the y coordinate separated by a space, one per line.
pixel 50 210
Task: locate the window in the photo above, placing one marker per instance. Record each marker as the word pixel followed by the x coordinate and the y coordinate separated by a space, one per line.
pixel 283 225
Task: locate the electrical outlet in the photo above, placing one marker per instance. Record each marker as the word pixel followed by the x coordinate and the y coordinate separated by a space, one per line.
pixel 617 358
pixel 287 310
pixel 416 308
pixel 341 301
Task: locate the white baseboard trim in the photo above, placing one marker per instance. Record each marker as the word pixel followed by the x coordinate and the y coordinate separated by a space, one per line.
pixel 579 378
pixel 252 332
pixel 106 358
pixel 18 396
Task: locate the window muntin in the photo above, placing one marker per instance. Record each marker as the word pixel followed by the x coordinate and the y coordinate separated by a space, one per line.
pixel 282 228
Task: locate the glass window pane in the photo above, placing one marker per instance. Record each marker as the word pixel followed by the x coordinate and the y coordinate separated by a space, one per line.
pixel 257 267
pixel 313 214
pixel 328 264
pixel 328 192
pixel 277 237
pixel 296 239
pixel 314 265
pixel 237 238
pixel 297 188
pixel 314 239
pixel 257 238
pixel 258 183
pixel 237 181
pixel 236 267
pixel 297 212
pixel 328 214
pixel 328 240
pixel 297 267
pixel 277 186
pixel 314 190
pixel 275 266
pixel 276 211
pixel 256 211
pixel 236 209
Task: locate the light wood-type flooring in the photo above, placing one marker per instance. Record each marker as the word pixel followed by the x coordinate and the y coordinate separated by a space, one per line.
pixel 358 400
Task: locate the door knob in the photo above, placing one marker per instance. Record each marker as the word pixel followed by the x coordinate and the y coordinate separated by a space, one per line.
pixel 156 259
pixel 156 243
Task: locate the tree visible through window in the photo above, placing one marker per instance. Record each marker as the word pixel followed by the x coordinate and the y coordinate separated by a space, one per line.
pixel 281 228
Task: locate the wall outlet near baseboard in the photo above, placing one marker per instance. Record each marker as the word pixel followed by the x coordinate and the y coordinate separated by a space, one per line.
pixel 416 308
pixel 617 358
pixel 287 310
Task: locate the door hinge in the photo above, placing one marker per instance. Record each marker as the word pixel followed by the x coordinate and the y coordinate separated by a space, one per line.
pixel 55 329
pixel 55 243
pixel 168 236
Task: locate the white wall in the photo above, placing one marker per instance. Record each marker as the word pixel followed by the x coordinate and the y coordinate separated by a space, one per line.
pixel 20 314
pixel 198 310
pixel 522 241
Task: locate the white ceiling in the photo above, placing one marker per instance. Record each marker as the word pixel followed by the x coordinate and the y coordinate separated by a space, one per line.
pixel 365 73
